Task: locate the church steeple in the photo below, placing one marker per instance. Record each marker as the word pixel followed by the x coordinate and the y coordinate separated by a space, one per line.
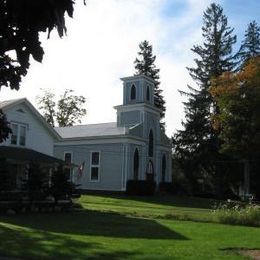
pixel 138 89
pixel 138 101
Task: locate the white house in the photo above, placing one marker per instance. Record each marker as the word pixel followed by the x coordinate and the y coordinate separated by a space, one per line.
pixel 30 130
pixel 32 138
pixel 106 155
pixel 133 147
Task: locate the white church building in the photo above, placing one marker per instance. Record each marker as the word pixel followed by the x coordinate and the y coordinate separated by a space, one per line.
pixel 105 155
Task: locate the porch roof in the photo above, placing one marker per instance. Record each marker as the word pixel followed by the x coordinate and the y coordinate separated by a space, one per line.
pixel 26 155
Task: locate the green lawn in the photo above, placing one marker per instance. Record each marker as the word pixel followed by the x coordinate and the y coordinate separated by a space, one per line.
pixel 119 227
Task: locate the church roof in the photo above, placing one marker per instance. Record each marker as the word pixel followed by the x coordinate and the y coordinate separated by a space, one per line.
pixel 91 130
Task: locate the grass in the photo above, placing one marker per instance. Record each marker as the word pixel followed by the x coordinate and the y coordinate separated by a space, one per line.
pixel 119 227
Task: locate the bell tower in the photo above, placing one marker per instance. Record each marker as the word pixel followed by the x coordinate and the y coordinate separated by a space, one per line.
pixel 138 89
pixel 138 99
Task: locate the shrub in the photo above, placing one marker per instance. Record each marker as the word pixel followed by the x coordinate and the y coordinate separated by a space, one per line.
pixel 36 183
pixel 61 186
pixel 166 187
pixel 140 187
pixel 238 214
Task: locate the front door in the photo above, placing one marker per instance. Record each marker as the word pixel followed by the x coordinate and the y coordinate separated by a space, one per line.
pixel 150 171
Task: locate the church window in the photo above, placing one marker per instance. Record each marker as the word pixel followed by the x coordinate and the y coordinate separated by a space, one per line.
pixel 136 164
pixel 133 92
pixel 163 168
pixel 147 93
pixel 150 146
pixel 95 166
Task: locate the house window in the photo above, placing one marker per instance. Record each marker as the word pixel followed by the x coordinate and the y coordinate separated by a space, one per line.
pixel 68 167
pixel 133 92
pixel 14 136
pixel 18 134
pixel 68 158
pixel 147 93
pixel 22 135
pixel 95 166
pixel 150 147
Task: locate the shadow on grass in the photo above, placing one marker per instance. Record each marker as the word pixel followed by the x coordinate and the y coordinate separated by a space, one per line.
pixel 34 244
pixel 167 200
pixel 95 223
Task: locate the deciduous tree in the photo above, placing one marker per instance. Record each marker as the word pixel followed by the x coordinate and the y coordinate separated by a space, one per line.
pixel 20 24
pixel 238 120
pixel 67 111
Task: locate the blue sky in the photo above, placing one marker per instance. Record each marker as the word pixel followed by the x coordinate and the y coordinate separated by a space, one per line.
pixel 102 43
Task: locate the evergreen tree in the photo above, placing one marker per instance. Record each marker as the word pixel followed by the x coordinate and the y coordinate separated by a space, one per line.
pixel 250 46
pixel 145 65
pixel 197 145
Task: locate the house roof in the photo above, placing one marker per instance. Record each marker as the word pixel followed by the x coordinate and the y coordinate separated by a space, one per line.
pixel 8 104
pixel 26 155
pixel 91 130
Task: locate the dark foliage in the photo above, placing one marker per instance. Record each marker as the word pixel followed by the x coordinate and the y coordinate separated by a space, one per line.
pixel 20 24
pixel 166 187
pixel 140 187
pixel 36 183
pixel 5 129
pixel 5 180
pixel 61 186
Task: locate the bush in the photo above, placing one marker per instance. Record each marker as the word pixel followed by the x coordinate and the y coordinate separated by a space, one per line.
pixel 61 187
pixel 36 184
pixel 140 187
pixel 166 187
pixel 238 214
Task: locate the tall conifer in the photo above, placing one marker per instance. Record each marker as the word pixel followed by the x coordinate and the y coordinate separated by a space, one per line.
pixel 250 46
pixel 144 64
pixel 197 144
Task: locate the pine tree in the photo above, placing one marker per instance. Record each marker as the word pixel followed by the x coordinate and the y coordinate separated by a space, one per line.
pixel 250 46
pixel 145 65
pixel 197 145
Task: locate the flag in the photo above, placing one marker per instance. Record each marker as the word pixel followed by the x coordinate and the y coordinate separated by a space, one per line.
pixel 80 170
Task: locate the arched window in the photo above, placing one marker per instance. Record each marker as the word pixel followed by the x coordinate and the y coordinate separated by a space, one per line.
pixel 133 92
pixel 150 148
pixel 136 164
pixel 163 167
pixel 147 93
